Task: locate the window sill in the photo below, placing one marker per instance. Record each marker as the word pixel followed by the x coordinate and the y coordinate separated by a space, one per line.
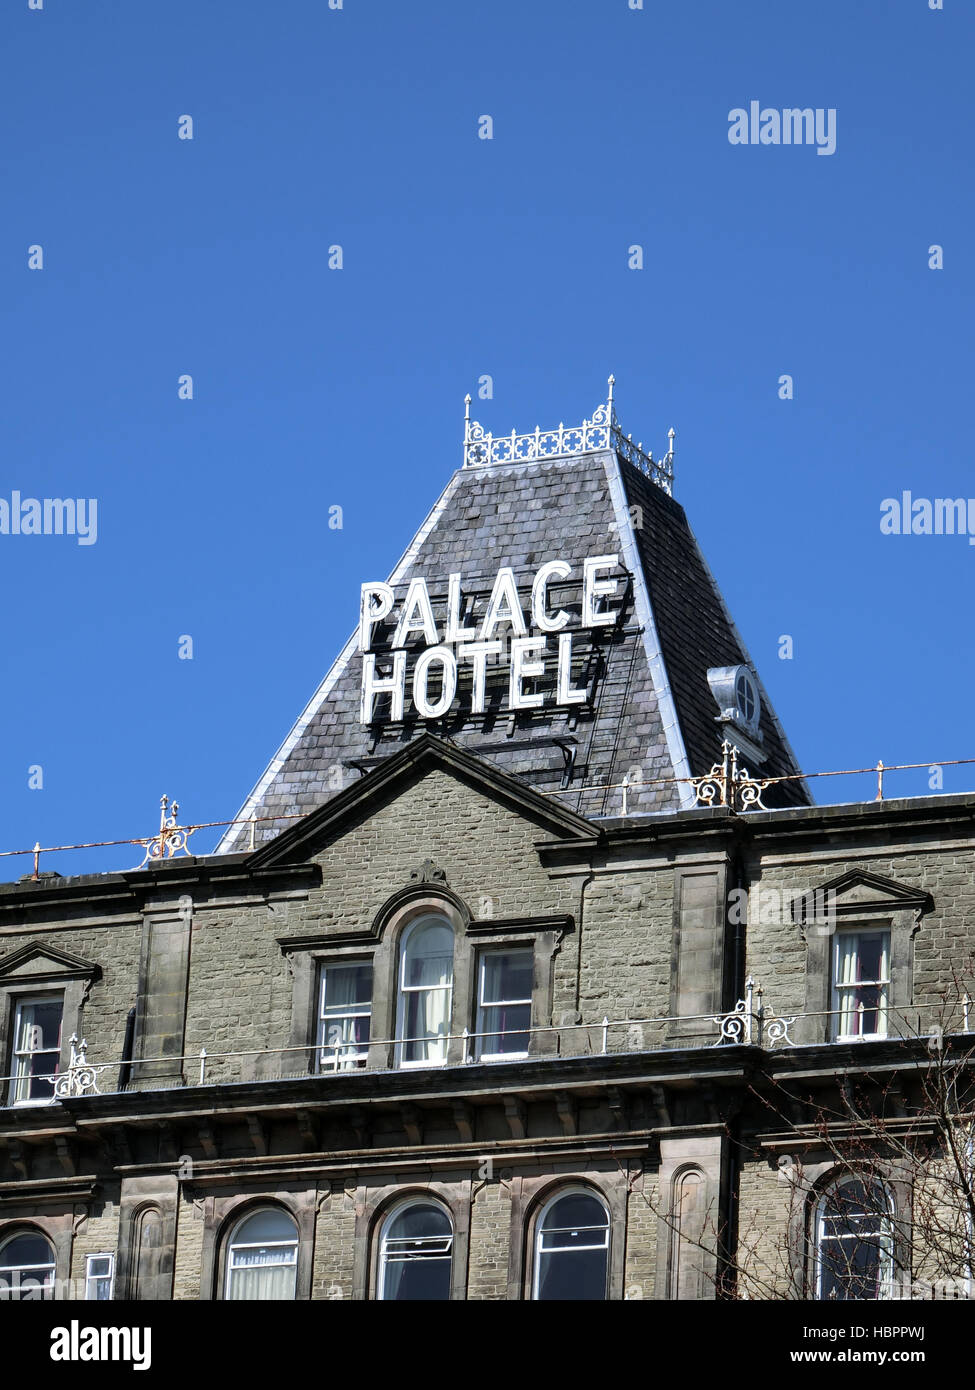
pixel 860 1037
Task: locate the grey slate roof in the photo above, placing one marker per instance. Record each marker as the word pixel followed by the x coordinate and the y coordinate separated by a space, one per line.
pixel 651 708
pixel 697 632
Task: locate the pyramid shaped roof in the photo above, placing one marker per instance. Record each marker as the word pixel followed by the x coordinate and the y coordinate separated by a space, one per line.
pixel 648 714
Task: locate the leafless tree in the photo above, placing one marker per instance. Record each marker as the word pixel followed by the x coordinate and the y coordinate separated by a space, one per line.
pixel 874 1175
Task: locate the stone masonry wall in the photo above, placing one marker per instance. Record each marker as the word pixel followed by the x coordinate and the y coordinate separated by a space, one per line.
pixel 763 1231
pixel 96 1235
pixel 943 944
pixel 116 948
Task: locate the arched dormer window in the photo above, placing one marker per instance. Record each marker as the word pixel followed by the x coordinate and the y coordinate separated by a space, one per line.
pixel 26 1267
pixel 853 1237
pixel 571 1256
pixel 426 977
pixel 262 1256
pixel 415 1253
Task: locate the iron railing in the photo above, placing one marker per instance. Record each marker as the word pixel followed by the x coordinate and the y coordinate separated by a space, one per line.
pixel 749 1023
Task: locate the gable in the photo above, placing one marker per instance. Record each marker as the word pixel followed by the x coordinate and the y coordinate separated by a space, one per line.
pixel 41 963
pixel 436 829
pixel 857 892
pixel 372 792
pixel 861 889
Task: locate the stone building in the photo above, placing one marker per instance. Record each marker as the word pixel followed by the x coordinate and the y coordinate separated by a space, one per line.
pixel 463 1006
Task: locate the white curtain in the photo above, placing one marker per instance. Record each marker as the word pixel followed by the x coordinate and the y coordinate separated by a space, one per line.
pixel 883 973
pixel 263 1256
pixel 37 1045
pixel 858 959
pixel 347 993
pixel 846 975
pixel 437 1023
pixel 428 1018
pixel 261 1274
pixel 427 980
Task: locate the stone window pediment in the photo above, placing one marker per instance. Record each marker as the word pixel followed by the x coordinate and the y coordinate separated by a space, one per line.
pixel 858 893
pixel 37 964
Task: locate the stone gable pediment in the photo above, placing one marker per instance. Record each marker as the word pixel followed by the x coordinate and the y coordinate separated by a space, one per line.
pixel 858 889
pixel 395 778
pixel 40 962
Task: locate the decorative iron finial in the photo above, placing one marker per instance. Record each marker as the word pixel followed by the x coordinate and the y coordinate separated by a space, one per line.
pixel 727 784
pixel 172 836
pixel 751 1024
pixel 81 1078
pixel 670 442
pixel 612 383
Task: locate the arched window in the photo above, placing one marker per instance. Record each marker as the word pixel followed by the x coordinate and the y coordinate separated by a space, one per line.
pixel 262 1256
pixel 26 1267
pixel 854 1240
pixel 426 978
pixel 415 1251
pixel 571 1247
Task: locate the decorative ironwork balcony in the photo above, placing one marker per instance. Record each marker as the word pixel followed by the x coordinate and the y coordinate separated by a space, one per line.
pixel 749 1023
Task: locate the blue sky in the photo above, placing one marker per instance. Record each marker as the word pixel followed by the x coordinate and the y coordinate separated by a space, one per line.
pixel 316 387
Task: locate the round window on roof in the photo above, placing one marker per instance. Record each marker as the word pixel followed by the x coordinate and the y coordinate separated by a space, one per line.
pixel 747 697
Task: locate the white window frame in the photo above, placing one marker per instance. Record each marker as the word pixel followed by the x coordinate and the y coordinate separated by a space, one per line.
pixel 49 1267
pixel 347 1056
pixel 20 1059
pixel 746 695
pixel 426 1241
pixel 885 1235
pixel 234 1245
pixel 540 1233
pixel 482 1028
pixel 837 990
pixel 91 1279
pixel 403 990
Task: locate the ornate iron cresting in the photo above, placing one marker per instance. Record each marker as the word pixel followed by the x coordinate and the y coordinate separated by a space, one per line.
pixel 727 784
pixel 751 1023
pixel 172 836
pixel 80 1079
pixel 601 432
